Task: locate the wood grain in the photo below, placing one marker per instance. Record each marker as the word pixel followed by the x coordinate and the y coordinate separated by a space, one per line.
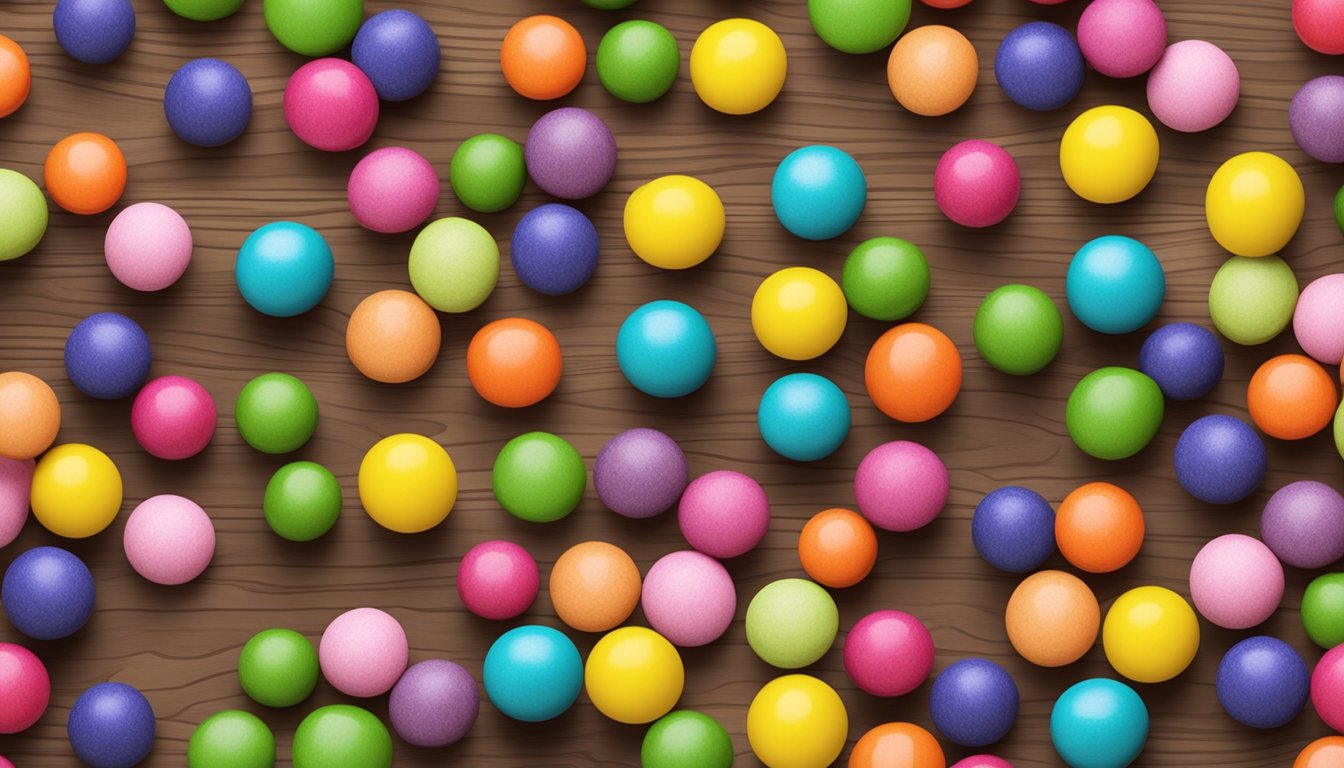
pixel 180 645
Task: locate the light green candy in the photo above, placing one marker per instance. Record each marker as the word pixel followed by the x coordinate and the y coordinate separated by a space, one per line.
pixel 1252 299
pixel 23 214
pixel 1339 430
pixel 454 264
pixel 791 623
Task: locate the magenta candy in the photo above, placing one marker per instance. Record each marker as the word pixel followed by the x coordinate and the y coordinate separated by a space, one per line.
pixel 1327 688
pixel 173 417
pixel 26 685
pixel 147 246
pixel 497 580
pixel 16 482
pixel 169 539
pixel 331 105
pixel 393 189
pixel 724 514
pixel 570 153
pixel 1194 86
pixel 1122 38
pixel 434 704
pixel 688 598
pixel 1318 319
pixel 982 761
pixel 1235 581
pixel 976 183
pixel 1303 523
pixel 640 473
pixel 901 486
pixel 889 653
pixel 1316 118
pixel 363 652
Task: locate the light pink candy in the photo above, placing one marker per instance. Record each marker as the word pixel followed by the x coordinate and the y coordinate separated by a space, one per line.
pixel 331 105
pixel 1318 320
pixel 1236 582
pixel 976 183
pixel 363 652
pixel 147 246
pixel 16 483
pixel 173 417
pixel 1122 38
pixel 689 598
pixel 169 539
pixel 901 486
pixel 724 514
pixel 393 189
pixel 1193 87
pixel 982 761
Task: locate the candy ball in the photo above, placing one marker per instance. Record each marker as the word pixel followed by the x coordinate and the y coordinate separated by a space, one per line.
pixel 76 491
pixel 30 415
pixel 278 667
pixel 686 739
pixel 897 744
pixel 1236 582
pixel 543 57
pixel 1122 38
pixel 363 652
pixel 1291 397
pixel 1052 618
pixel 738 66
pixel 27 688
pixel 434 704
pixel 407 483
pixel 797 721
pixel 342 736
pixel 791 623
pixel 147 246
pixel 862 27
pixel 634 675
pixel 1220 460
pixel 1113 413
pixel 594 586
pixel 901 486
pixel 932 70
pixel 1315 115
pixel 976 183
pixel 23 214
pixel 1262 682
pixel 111 725
pixel 208 102
pixel 1193 87
pixel 674 222
pixel 85 173
pixel 885 278
pixel 973 702
pixel 798 313
pixel 723 514
pixel 1039 66
pixel 94 31
pixel 331 105
pixel 1108 154
pixel 204 10
pixel 913 372
pixel 1339 208
pixel 393 337
pixel 1319 25
pixel 1252 299
pixel 539 477
pixel 514 362
pixel 554 249
pixel 169 539
pixel 399 52
pixel 532 673
pixel 488 172
pixel 818 192
pixel 1303 523
pixel 689 598
pixel 570 153
pixel 803 417
pixel 1115 284
pixel 666 349
pixel 1327 688
pixel 231 738
pixel 47 593
pixel 107 356
pixel 1013 529
pixel 640 473
pixel 1318 318
pixel 1150 634
pixel 1254 204
pixel 982 761
pixel 1324 752
pixel 173 417
pixel 393 189
pixel 638 61
pixel 16 76
pixel 276 413
pixel 284 268
pixel 1323 610
pixel 497 580
pixel 454 264
pixel 1018 329
pixel 888 653
pixel 1184 359
pixel 1099 723
pixel 837 548
pixel 302 501
pixel 16 482
pixel 1099 527
pixel 314 27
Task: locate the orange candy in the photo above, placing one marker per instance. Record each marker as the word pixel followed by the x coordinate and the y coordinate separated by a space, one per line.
pixel 16 78
pixel 1052 618
pixel 1291 397
pixel 393 336
pixel 1325 752
pixel 897 745
pixel 1099 527
pixel 543 57
pixel 85 173
pixel 837 548
pixel 514 362
pixel 594 586
pixel 932 70
pixel 30 415
pixel 913 372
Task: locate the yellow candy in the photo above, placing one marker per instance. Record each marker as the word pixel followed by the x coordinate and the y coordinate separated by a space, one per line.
pixel 798 313
pixel 407 483
pixel 738 66
pixel 674 222
pixel 76 491
pixel 1150 634
pixel 797 721
pixel 1108 154
pixel 634 675
pixel 1254 204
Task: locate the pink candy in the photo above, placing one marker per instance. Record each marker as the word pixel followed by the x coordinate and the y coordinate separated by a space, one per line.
pixel 173 417
pixel 363 652
pixel 982 761
pixel 169 539
pixel 393 189
pixel 1194 86
pixel 901 486
pixel 1327 688
pixel 331 105
pixel 724 514
pixel 689 598
pixel 1318 320
pixel 889 653
pixel 16 481
pixel 1122 38
pixel 976 184
pixel 148 246
pixel 497 580
pixel 27 689
pixel 1236 582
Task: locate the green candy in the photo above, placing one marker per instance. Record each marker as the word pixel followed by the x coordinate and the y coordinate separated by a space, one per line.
pixel 1339 208
pixel 488 172
pixel 885 278
pixel 1018 329
pixel 1339 430
pixel 609 5
pixel 278 668
pixel 1114 412
pixel 231 739
pixel 342 736
pixel 791 623
pixel 539 477
pixel 23 214
pixel 686 739
pixel 1251 300
pixel 454 264
pixel 638 61
pixel 276 413
pixel 1323 610
pixel 303 501
pixel 314 27
pixel 203 10
pixel 858 26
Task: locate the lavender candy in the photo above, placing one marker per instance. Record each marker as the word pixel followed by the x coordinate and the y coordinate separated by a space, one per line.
pixel 1316 118
pixel 434 703
pixel 570 153
pixel 640 473
pixel 1303 524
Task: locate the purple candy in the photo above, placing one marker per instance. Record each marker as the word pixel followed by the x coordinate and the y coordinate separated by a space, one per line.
pixel 1303 524
pixel 640 473
pixel 434 703
pixel 1316 118
pixel 570 153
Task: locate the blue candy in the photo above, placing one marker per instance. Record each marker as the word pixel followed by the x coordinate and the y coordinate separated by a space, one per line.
pixel 399 52
pixel 533 673
pixel 1262 682
pixel 1220 459
pixel 111 726
pixel 974 702
pixel 1184 359
pixel 803 416
pixel 1013 529
pixel 208 102
pixel 284 269
pixel 47 593
pixel 818 192
pixel 94 31
pixel 1040 66
pixel 1115 284
pixel 666 349
pixel 1099 723
pixel 107 356
pixel 554 249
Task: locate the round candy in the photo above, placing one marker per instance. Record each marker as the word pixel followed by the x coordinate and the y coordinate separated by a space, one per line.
pixel 393 189
pixel 331 105
pixel 393 336
pixel 634 675
pixel 888 653
pixel 284 268
pixel 1150 634
pixel 543 57
pixel 913 372
pixel 803 417
pixel 797 721
pixel 208 102
pixel 885 278
pixel 609 5
pixel 23 214
pixel 1193 87
pixel 1236 582
pixel 539 477
pixel 1122 38
pixel 686 739
pixel 1099 527
pixel 1327 688
pixel 204 10
pixel 1052 618
pixel 1339 208
pixel 837 548
pixel 640 473
pixel 399 52
pixel 976 183
pixel 94 31
pixel 1018 329
pixel 897 744
pixel 1303 523
pixel 798 313
pixel 554 249
pixel 1262 682
pixel 570 153
pixel 818 192
pixel 982 761
pixel 1291 397
pixel 674 222
pixel 1013 529
pixel 901 486
pixel 973 702
pixel 85 173
pixel 1115 284
pixel 1323 610
pixel 1099 723
pixel 1319 25
pixel 514 362
pixel 1113 413
pixel 1184 359
pixel 407 483
pixel 1220 460
pixel 1039 66
pixel 30 415
pixel 16 76
pixel 434 704
pixel 1315 115
pixel 16 482
pixel 488 172
pixel 1108 154
pixel 76 491
pixel 314 27
pixel 107 356
pixel 532 673
pixel 1318 319
pixel 666 349
pixel 1254 204
pixel 594 586
pixel 454 264
pixel 169 539
pixel 276 413
pixel 1326 751
pixel 498 580
pixel 689 598
pixel 278 667
pixel 723 514
pixel 111 725
pixel 791 623
pixel 363 652
pixel 27 688
pixel 147 246
pixel 173 417
pixel 302 501
pixel 231 738
pixel 858 27
pixel 638 61
pixel 932 70
pixel 342 736
pixel 1252 299
pixel 47 593
pixel 738 66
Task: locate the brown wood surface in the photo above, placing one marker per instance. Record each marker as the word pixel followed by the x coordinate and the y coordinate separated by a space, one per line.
pixel 180 644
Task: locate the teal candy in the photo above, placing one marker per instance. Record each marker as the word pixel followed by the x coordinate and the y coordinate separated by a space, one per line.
pixel 1099 723
pixel 803 416
pixel 284 269
pixel 638 61
pixel 532 673
pixel 1115 284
